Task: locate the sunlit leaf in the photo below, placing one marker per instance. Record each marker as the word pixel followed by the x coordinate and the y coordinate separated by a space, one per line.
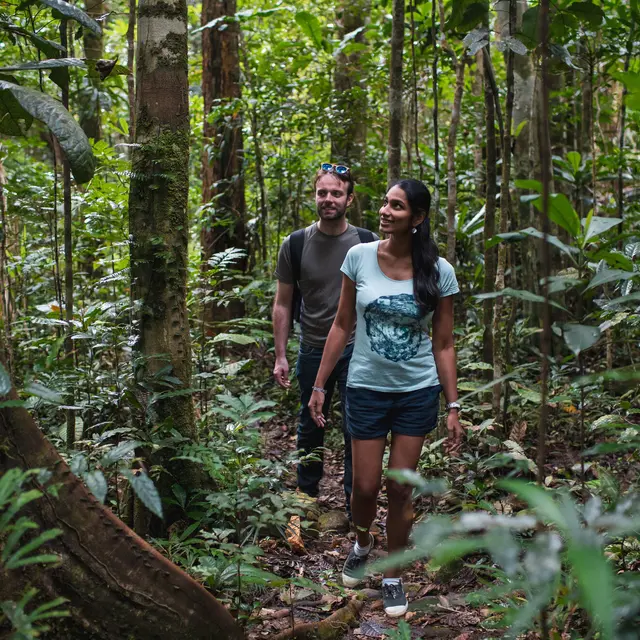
pixel 579 337
pixel 73 12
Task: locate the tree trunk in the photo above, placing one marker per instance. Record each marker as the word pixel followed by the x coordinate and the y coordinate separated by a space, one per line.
pixel 478 146
pixel 131 82
pixel 158 221
pixel 394 153
pixel 490 212
pixel 117 585
pixel 349 121
pixel 90 114
pixel 505 214
pixel 545 164
pixel 222 161
pixel 452 185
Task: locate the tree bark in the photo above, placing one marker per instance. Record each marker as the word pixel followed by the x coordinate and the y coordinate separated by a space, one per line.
pixel 436 131
pixel 158 221
pixel 545 164
pixel 490 212
pixel 394 153
pixel 349 122
pixel 90 114
pixel 131 82
pixel 505 215
pixel 117 585
pixel 222 160
pixel 452 184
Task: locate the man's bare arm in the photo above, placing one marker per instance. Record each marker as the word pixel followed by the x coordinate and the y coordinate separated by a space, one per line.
pixel 281 317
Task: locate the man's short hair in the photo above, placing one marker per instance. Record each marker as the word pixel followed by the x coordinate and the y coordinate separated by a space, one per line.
pixel 347 178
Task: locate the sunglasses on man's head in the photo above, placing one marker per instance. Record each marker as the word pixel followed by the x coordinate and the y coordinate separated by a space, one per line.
pixel 340 169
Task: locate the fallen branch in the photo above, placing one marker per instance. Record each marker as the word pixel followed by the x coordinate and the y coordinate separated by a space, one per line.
pixel 331 628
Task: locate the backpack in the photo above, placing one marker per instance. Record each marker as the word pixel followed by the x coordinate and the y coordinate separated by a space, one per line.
pixel 296 244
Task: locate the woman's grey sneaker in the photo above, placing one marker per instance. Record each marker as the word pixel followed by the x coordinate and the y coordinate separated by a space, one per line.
pixel 394 600
pixel 353 569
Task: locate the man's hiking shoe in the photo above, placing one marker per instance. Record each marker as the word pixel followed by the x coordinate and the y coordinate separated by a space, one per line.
pixel 394 599
pixel 353 570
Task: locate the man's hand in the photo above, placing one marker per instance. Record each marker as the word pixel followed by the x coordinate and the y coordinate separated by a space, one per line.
pixel 315 408
pixel 281 373
pixel 455 433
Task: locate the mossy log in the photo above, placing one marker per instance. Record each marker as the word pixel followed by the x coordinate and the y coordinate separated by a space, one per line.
pixel 334 627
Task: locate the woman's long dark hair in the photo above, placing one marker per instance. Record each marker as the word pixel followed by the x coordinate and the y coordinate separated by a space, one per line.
pixel 424 251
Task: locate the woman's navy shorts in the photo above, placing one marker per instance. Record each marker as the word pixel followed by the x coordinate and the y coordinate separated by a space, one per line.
pixel 372 414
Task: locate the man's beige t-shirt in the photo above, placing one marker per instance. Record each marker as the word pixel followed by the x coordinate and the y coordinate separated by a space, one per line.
pixel 320 279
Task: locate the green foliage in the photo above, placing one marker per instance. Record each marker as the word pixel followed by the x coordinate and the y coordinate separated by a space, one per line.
pixel 18 550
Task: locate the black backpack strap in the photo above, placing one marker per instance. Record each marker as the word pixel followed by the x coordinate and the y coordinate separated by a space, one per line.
pixel 296 244
pixel 365 235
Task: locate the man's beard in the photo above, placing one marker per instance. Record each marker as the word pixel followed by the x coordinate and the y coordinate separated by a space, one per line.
pixel 331 214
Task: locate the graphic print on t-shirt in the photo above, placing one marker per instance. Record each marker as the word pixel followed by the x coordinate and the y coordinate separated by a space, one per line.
pixel 393 326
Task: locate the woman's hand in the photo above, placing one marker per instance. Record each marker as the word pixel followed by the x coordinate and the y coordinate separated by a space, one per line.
pixel 455 433
pixel 315 408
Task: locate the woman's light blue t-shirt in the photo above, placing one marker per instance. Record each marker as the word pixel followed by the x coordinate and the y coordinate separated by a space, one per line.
pixel 392 350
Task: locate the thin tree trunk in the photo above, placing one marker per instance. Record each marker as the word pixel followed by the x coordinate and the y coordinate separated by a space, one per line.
pixel 414 77
pixel 505 216
pixel 489 218
pixel 6 346
pixel 623 121
pixel 452 184
pixel 436 133
pixel 349 103
pixel 479 117
pixel 158 220
pixel 222 160
pixel 394 153
pixel 545 164
pixel 93 48
pixel 68 249
pixel 131 81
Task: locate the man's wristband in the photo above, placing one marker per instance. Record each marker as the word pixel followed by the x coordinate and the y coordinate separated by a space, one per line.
pixel 453 405
pixel 319 389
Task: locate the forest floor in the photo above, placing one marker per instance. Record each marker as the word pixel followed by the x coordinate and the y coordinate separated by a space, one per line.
pixel 437 606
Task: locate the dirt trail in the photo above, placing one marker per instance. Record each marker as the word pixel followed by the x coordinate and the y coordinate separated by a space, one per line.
pixel 437 608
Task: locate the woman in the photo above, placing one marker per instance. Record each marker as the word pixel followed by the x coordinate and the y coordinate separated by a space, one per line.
pixel 394 288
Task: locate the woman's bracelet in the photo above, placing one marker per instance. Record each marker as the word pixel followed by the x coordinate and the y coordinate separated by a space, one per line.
pixel 320 390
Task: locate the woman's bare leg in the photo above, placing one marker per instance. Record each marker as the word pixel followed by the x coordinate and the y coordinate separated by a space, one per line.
pixel 367 480
pixel 405 453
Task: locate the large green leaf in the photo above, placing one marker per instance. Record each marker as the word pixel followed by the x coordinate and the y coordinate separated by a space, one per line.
pixel 119 451
pixel 238 338
pixel 589 14
pixel 538 498
pixel 579 337
pixel 611 275
pixel 96 483
pixel 521 294
pixel 144 488
pixel 44 393
pixel 598 225
pixel 12 114
pixel 595 579
pixel 5 381
pixel 70 135
pixel 54 63
pixel 532 233
pixel 310 25
pixel 74 13
pixel 561 212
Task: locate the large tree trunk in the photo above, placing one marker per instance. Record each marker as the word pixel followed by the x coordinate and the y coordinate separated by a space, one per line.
pixel 158 220
pixel 349 122
pixel 394 153
pixel 117 585
pixel 222 162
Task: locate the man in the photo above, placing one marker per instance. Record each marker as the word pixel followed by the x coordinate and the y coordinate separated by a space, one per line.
pixel 310 259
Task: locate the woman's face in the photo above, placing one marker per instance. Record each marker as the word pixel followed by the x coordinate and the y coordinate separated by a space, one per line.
pixel 395 213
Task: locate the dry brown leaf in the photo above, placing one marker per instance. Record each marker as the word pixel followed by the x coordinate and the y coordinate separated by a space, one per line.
pixel 293 535
pixel 518 432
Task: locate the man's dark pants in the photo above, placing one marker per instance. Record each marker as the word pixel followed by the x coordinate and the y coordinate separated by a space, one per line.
pixel 310 436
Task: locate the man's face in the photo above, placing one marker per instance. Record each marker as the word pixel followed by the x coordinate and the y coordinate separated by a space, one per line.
pixel 331 197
